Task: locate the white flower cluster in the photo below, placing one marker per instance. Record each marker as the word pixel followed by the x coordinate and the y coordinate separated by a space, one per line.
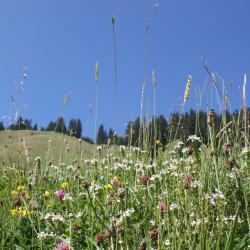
pixel 179 145
pixel 174 206
pixel 44 235
pixel 217 196
pixel 127 213
pixel 199 221
pixel 194 138
pixel 167 243
pixel 54 217
pixel 231 218
pixel 68 197
pixel 195 184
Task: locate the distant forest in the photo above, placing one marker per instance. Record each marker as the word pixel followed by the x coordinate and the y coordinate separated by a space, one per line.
pixel 177 126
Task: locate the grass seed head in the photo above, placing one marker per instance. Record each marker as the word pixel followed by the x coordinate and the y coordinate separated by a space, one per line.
pixel 187 90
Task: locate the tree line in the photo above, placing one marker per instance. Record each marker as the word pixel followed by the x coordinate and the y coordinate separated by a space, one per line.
pixel 177 126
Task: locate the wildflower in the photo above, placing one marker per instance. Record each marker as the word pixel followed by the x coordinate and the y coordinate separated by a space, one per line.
pixel 23 213
pixel 108 186
pixel 54 217
pixel 152 222
pixel 187 90
pixel 13 212
pixel 20 188
pixel 14 193
pixel 195 184
pixel 154 234
pixel 43 235
pixel 115 181
pixel 78 215
pixel 187 181
pixel 26 196
pixel 63 246
pixel 194 138
pixel 157 142
pixel 167 243
pixel 174 206
pixel 144 179
pixel 46 194
pixel 60 194
pixel 190 149
pixel 100 237
pixel 20 212
pixel 64 185
pixel 162 207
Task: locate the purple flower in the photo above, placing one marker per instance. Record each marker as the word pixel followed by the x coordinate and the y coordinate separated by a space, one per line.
pixel 115 181
pixel 63 246
pixel 60 194
pixel 162 207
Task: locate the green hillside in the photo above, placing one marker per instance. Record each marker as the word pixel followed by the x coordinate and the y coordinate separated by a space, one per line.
pixel 18 145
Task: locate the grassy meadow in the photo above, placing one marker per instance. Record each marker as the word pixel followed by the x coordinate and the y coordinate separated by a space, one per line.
pixel 57 192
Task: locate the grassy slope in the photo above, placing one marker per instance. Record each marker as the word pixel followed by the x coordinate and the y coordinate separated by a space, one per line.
pixel 63 148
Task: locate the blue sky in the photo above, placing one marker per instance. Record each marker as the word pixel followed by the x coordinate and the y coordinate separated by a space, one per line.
pixel 62 41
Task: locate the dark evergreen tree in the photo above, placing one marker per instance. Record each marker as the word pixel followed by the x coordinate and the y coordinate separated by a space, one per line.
pixel 175 128
pixel 51 126
pixel 162 126
pixel 2 126
pixel 34 127
pixel 61 127
pixel 28 124
pixel 111 133
pixel 75 128
pixel 132 132
pixel 78 128
pixel 101 137
pixel 72 127
pixel 19 125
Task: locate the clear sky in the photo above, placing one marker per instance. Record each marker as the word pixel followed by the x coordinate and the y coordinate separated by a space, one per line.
pixel 62 41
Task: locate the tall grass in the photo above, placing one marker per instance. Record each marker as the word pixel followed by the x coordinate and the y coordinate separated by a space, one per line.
pixel 188 195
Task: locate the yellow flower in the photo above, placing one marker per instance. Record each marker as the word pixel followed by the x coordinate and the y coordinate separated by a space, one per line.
pixel 108 186
pixel 14 193
pixel 26 196
pixel 24 213
pixel 46 194
pixel 20 188
pixel 19 212
pixel 157 142
pixel 13 212
pixel 64 185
